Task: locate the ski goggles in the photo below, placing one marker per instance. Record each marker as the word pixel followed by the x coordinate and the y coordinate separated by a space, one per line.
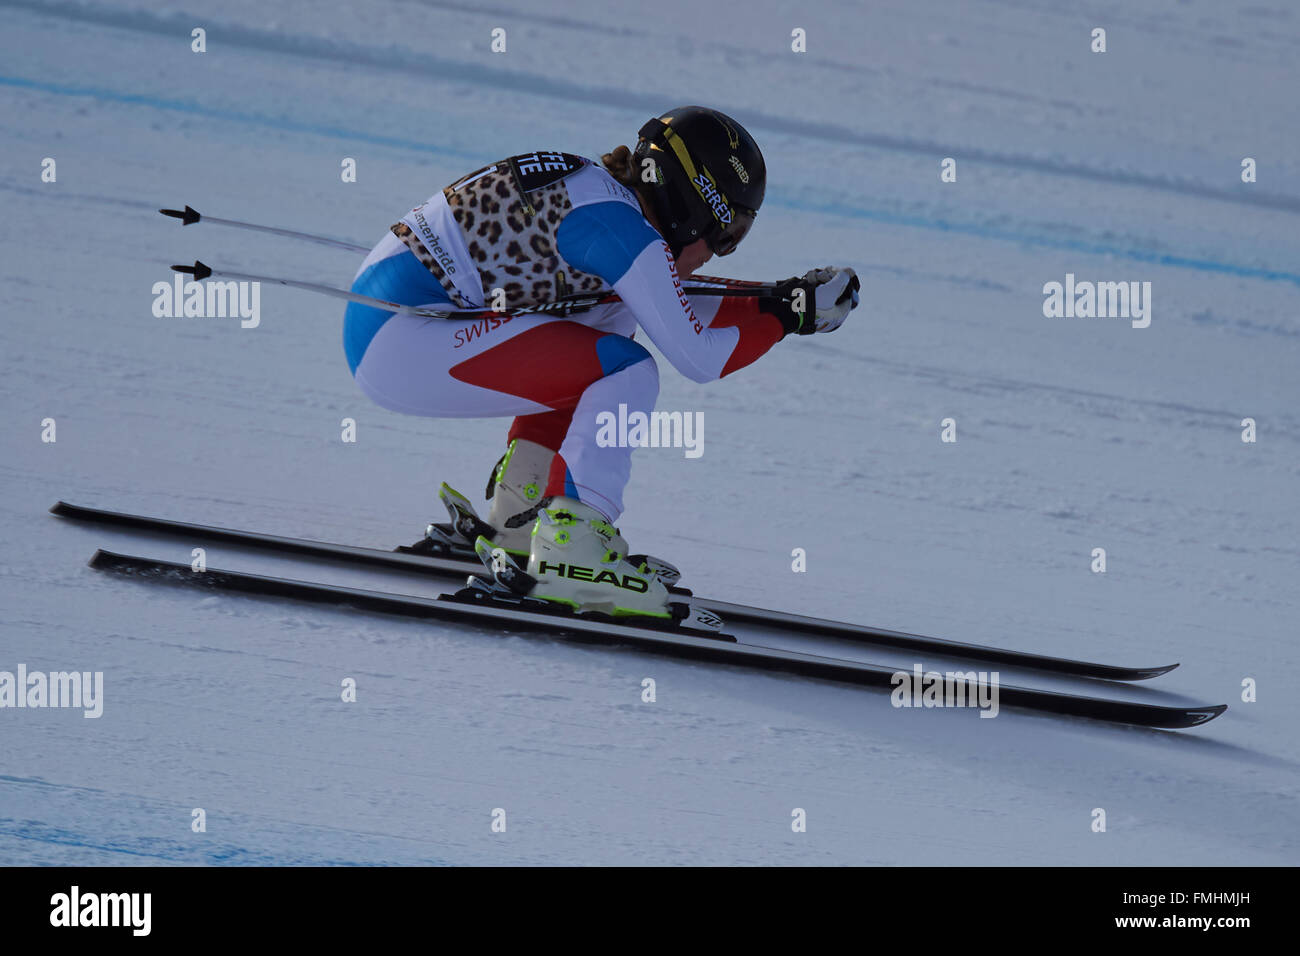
pixel 723 240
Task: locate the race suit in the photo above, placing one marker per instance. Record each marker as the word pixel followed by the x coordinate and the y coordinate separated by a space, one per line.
pixel 522 232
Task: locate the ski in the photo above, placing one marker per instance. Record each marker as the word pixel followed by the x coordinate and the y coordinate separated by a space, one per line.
pixel 482 608
pixel 454 565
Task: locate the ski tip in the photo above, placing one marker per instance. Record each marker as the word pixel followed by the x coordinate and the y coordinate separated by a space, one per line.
pixel 188 216
pixel 1202 715
pixel 99 558
pixel 199 270
pixel 1149 672
pixel 60 508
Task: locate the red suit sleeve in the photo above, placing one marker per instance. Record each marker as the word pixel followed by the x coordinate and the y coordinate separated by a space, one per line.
pixel 759 329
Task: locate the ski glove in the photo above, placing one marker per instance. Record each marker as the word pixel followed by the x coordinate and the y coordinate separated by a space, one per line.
pixel 831 292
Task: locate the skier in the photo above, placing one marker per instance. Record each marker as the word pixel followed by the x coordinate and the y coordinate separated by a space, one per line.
pixel 539 228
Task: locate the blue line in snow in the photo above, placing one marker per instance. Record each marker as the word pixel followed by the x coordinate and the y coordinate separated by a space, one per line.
pixel 1074 245
pixel 1082 246
pixel 197 109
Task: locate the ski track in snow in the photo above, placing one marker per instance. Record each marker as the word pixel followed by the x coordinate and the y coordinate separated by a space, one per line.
pixel 1073 434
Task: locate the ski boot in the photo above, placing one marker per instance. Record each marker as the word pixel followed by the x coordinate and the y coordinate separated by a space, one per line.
pixel 514 489
pixel 579 561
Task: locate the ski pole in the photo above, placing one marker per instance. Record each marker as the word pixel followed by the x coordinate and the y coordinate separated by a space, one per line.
pixel 189 215
pixel 201 271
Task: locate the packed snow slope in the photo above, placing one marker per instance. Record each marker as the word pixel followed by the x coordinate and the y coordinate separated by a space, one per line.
pixel 1072 434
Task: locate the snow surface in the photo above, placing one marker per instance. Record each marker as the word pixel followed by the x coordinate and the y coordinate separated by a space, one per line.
pixel 1072 434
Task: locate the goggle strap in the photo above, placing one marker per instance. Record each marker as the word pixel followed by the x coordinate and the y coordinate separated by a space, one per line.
pixel 662 134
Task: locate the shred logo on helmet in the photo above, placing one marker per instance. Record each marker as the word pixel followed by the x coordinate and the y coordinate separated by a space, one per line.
pixel 709 177
pixel 717 202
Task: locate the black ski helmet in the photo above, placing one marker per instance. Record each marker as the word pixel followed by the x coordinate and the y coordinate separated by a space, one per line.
pixel 709 177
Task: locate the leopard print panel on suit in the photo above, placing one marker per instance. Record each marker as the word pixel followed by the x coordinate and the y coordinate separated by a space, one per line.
pixel 512 249
pixel 427 259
